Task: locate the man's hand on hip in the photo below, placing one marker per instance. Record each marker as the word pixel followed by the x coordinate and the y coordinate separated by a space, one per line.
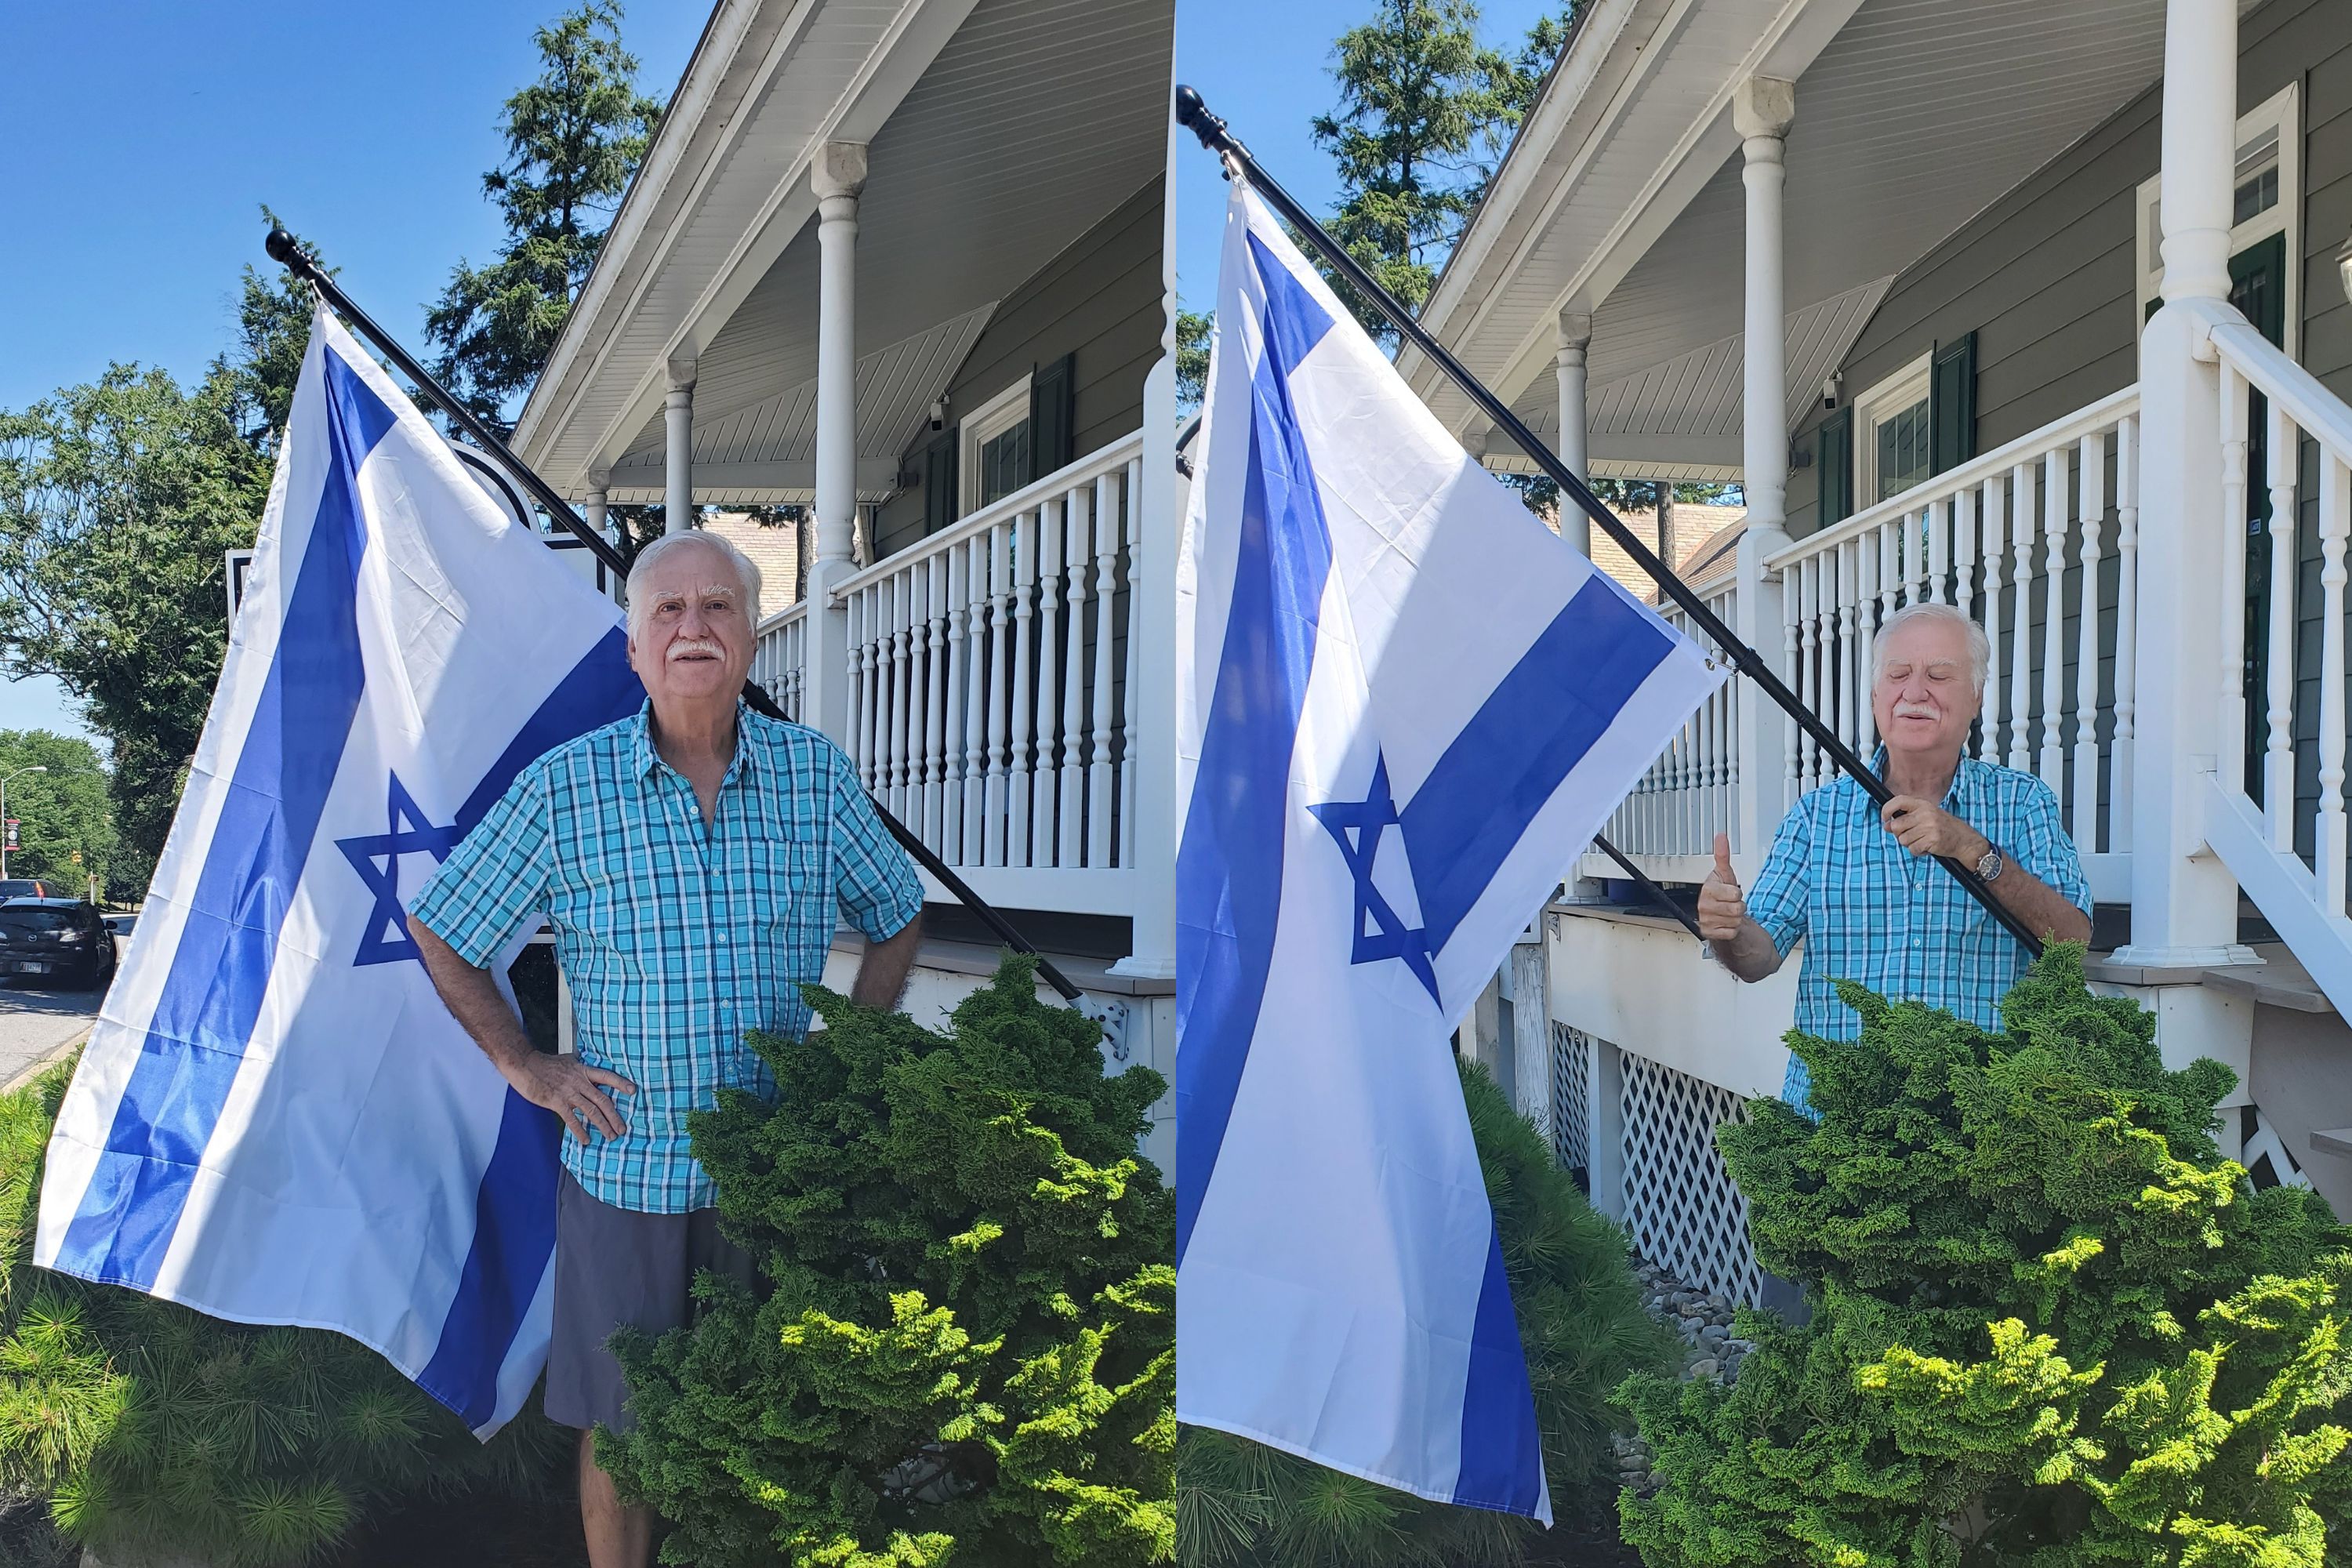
pixel 1925 829
pixel 572 1089
pixel 1722 907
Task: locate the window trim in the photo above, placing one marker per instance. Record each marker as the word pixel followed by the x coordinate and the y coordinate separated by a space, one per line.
pixel 2281 112
pixel 984 424
pixel 1914 384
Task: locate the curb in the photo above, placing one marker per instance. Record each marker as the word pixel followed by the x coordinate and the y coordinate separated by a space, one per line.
pixel 49 1060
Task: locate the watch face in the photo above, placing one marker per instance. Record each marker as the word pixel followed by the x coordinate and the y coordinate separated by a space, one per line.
pixel 1990 866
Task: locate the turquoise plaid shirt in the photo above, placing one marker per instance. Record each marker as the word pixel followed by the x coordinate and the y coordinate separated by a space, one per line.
pixel 673 941
pixel 1871 911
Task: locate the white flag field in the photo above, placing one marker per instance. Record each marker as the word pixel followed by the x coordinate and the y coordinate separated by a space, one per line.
pixel 1404 708
pixel 276 1121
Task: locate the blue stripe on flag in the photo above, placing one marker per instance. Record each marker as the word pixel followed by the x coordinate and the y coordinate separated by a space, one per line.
pixel 1502 1455
pixel 204 1016
pixel 1228 867
pixel 1527 736
pixel 514 1207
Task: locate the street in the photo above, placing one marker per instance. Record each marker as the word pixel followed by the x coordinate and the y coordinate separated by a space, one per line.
pixel 37 1019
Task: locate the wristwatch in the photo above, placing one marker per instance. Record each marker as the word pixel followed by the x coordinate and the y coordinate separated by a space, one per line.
pixel 1989 867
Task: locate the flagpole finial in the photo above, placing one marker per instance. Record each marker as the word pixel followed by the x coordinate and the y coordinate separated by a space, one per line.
pixel 1193 113
pixel 286 251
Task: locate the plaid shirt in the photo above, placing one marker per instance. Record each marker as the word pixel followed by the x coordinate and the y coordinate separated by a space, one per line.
pixel 673 941
pixel 1871 911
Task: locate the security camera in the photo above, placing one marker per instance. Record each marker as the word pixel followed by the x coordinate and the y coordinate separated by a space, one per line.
pixel 940 413
pixel 1829 393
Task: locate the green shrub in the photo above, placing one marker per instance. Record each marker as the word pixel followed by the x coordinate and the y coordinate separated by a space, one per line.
pixel 964 1351
pixel 2051 1325
pixel 149 1427
pixel 1581 1321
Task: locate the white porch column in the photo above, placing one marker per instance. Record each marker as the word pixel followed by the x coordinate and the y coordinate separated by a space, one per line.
pixel 2184 901
pixel 1762 111
pixel 839 176
pixel 1531 1029
pixel 1574 338
pixel 677 452
pixel 598 508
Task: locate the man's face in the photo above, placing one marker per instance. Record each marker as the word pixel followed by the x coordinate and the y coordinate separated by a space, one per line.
pixel 693 643
pixel 1924 700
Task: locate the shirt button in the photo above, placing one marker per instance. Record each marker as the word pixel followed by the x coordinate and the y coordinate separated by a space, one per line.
pixel 723 936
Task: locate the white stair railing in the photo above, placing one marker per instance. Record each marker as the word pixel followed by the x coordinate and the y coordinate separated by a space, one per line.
pixel 779 658
pixel 2288 849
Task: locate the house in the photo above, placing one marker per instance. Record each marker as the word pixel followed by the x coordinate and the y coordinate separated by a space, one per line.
pixel 2036 309
pixel 903 263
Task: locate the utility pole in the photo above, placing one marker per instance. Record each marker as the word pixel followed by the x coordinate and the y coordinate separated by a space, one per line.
pixel 20 773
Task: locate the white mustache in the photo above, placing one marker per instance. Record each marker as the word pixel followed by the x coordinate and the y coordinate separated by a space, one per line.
pixel 688 647
pixel 1914 710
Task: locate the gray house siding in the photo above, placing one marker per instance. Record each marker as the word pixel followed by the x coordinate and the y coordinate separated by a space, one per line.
pixel 1100 301
pixel 2045 277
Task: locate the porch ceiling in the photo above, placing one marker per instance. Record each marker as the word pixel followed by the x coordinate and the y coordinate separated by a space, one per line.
pixel 998 132
pixel 1624 198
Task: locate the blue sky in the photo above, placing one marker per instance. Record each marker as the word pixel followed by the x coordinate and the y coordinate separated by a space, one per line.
pixel 143 138
pixel 1265 66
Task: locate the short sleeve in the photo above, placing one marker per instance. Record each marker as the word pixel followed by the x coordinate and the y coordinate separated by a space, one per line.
pixel 1778 901
pixel 497 878
pixel 873 879
pixel 2044 847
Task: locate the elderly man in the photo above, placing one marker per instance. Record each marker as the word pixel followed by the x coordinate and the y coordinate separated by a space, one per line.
pixel 691 860
pixel 1858 882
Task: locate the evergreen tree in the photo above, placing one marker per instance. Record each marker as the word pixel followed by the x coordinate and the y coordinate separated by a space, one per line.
pixel 573 138
pixel 1581 1320
pixel 963 1353
pixel 2052 1326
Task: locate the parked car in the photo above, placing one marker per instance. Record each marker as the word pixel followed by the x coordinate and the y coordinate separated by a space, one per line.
pixel 25 888
pixel 59 939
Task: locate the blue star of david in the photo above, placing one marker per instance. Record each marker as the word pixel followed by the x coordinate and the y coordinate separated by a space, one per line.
pixel 376 857
pixel 1380 932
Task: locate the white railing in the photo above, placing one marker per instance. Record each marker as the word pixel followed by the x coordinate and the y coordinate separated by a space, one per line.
pixel 988 684
pixel 779 658
pixel 2288 848
pixel 2039 540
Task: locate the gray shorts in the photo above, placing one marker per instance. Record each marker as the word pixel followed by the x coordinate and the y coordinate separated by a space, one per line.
pixel 614 1268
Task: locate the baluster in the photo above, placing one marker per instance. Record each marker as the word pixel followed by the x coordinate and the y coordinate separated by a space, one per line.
pixel 959 662
pixel 1964 552
pixel 1865 642
pixel 1070 810
pixel 1131 518
pixel 1000 685
pixel 2119 752
pixel 1024 533
pixel 1914 556
pixel 935 736
pixel 897 590
pixel 1043 826
pixel 1791 612
pixel 1848 689
pixel 2021 674
pixel 2092 484
pixel 2051 765
pixel 975 707
pixel 2278 753
pixel 861 683
pixel 1099 780
pixel 1938 515
pixel 1809 608
pixel 1992 498
pixel 2232 762
pixel 910 693
pixel 2328 832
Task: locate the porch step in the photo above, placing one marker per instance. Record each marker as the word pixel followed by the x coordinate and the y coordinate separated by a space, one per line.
pixel 2279 981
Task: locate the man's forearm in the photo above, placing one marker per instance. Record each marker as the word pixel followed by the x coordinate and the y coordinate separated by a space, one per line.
pixel 2042 907
pixel 1750 955
pixel 472 997
pixel 882 972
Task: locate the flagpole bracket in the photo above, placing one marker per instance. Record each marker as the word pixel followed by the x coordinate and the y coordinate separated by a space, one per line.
pixel 1111 1014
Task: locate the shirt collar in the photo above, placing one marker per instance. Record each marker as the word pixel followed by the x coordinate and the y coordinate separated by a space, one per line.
pixel 644 759
pixel 1964 777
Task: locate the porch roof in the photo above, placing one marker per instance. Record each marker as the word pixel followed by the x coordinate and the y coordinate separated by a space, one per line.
pixel 1622 196
pixel 998 132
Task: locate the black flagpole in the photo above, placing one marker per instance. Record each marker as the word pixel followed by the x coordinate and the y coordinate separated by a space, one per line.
pixel 286 251
pixel 1193 114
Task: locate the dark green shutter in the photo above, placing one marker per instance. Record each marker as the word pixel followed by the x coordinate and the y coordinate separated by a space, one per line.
pixel 940 497
pixel 1952 404
pixel 1053 417
pixel 1833 455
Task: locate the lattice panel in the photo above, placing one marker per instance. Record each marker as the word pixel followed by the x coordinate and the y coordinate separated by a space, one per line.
pixel 1680 1204
pixel 1571 1097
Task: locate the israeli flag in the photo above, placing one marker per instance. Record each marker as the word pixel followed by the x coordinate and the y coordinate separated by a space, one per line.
pixel 1404 707
pixel 276 1121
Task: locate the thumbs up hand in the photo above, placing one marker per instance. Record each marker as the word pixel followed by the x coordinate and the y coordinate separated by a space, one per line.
pixel 1722 907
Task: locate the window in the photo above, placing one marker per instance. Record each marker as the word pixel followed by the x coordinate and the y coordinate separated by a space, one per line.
pixel 2269 174
pixel 1892 440
pixel 995 448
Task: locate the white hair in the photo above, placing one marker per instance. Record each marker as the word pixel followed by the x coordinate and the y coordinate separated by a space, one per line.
pixel 1979 645
pixel 747 573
